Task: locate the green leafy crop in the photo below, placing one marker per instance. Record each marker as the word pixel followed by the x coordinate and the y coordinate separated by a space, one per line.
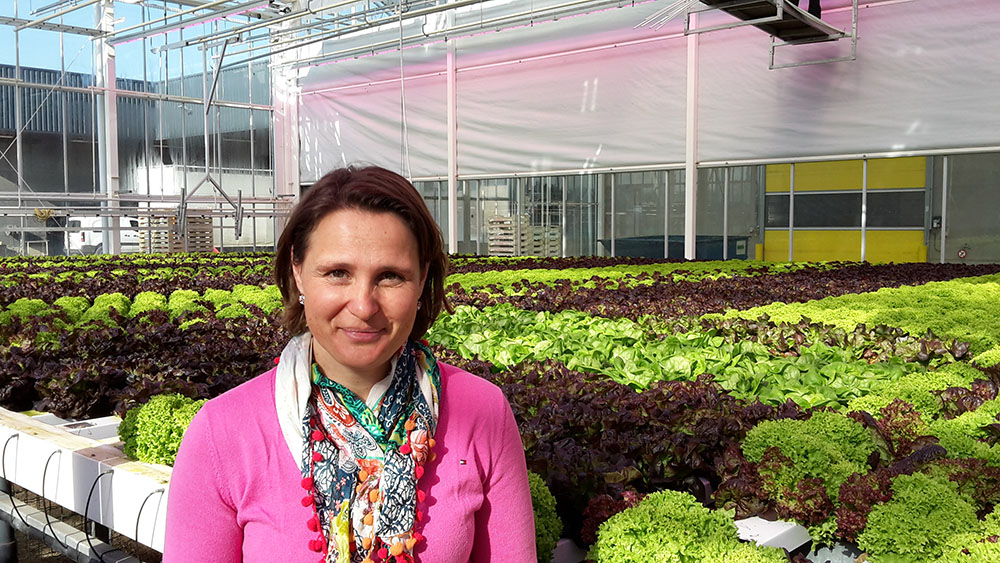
pixel 917 389
pixel 621 349
pixel 989 358
pixel 673 526
pixel 980 546
pixel 548 526
pixel 828 446
pixel 74 307
pixel 153 431
pixel 962 308
pixel 962 435
pixel 147 301
pixel 184 301
pixel 253 295
pixel 23 308
pixel 920 520
pixel 100 310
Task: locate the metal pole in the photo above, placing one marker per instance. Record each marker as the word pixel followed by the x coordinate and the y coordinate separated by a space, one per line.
pixel 944 205
pixel 691 147
pixel 563 215
pixel 864 207
pixel 666 214
pixel 791 211
pixel 103 144
pixel 725 213
pixel 18 126
pixel 452 147
pixel 612 215
pixel 33 23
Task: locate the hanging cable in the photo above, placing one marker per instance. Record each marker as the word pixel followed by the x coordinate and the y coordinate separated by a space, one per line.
pixel 45 504
pixel 3 474
pixel 404 153
pixel 86 516
pixel 143 505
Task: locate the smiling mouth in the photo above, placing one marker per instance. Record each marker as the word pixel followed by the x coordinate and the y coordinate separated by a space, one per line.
pixel 362 334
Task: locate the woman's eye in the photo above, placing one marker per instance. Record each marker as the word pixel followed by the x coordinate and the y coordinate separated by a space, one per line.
pixel 390 277
pixel 337 274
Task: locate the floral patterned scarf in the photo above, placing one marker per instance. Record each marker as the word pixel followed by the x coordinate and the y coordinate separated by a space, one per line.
pixel 362 464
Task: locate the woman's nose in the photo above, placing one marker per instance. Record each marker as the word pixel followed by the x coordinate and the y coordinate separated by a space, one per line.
pixel 363 303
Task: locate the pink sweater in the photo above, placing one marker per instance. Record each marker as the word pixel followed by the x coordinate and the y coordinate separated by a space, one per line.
pixel 235 490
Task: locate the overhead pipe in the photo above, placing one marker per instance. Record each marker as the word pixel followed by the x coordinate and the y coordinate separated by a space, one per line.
pixel 547 12
pixel 167 17
pixel 118 38
pixel 254 26
pixel 324 37
pixel 60 13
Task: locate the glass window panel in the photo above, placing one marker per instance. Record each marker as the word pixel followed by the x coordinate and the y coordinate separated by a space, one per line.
pixel 743 217
pixel 38 48
pixel 675 217
pixel 710 215
pixel 973 204
pixel 828 210
pixel 128 65
pixel 639 214
pixel 896 209
pixel 581 215
pixel 261 82
pixel 776 211
pixel 135 129
pixel 78 54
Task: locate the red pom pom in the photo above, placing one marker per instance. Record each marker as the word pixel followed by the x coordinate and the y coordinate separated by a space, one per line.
pixel 313 524
pixel 421 496
pixel 307 483
pixel 425 342
pixel 418 536
pixel 317 435
pixel 420 516
pixel 317 456
pixel 383 553
pixel 404 449
pixel 316 545
pixel 307 501
pixel 419 471
pixel 276 360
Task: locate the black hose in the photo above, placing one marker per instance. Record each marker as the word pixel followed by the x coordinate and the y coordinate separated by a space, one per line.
pixel 45 504
pixel 3 475
pixel 86 518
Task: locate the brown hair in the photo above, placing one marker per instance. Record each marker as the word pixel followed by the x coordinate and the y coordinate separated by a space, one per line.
pixel 370 189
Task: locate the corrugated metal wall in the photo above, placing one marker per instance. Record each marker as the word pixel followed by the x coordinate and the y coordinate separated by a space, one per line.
pixel 47 109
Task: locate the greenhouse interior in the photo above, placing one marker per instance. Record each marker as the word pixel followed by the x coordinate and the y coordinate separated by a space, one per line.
pixel 686 238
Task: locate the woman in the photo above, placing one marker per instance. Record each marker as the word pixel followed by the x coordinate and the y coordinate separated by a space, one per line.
pixel 358 445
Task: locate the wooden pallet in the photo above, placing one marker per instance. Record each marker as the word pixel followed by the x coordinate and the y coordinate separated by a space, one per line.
pixel 199 236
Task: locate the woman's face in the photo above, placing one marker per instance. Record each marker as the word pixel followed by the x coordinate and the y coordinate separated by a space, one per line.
pixel 362 279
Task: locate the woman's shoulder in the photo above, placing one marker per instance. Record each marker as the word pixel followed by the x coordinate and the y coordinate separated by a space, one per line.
pixel 456 380
pixel 470 394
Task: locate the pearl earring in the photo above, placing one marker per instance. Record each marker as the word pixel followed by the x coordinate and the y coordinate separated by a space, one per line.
pixel 419 304
pixel 302 299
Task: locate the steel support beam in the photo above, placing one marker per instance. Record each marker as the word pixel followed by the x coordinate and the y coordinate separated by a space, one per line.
pixel 691 149
pixel 452 93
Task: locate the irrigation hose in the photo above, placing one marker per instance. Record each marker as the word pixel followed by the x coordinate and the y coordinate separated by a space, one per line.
pixel 143 505
pixel 45 504
pixel 3 475
pixel 86 516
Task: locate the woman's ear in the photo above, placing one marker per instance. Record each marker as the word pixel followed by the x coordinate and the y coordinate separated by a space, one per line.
pixel 427 269
pixel 297 272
